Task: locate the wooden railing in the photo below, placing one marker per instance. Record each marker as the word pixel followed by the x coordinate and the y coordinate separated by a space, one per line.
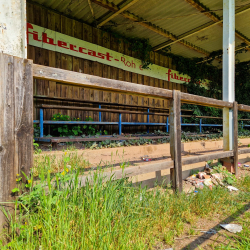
pixel 16 126
pixel 175 97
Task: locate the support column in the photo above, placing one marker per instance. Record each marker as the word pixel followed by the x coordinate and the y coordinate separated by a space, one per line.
pixel 229 79
pixel 175 140
pixel 13 28
pixel 228 70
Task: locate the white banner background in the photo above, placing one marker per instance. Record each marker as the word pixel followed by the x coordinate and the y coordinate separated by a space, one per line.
pixel 58 42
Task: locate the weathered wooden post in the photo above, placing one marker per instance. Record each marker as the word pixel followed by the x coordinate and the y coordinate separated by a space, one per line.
pixel 16 96
pixel 235 129
pixel 175 140
pixel 16 124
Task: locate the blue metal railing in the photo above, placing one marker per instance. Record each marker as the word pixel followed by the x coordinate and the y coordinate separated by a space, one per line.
pixel 41 122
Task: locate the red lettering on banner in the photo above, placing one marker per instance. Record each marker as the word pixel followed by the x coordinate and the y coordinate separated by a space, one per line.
pixel 176 77
pixel 81 50
pixel 108 56
pixel 62 44
pixel 181 78
pixel 72 47
pixel 129 64
pixel 101 55
pixel 169 74
pixel 140 67
pixel 133 65
pixel 92 53
pixel 47 39
pixel 34 33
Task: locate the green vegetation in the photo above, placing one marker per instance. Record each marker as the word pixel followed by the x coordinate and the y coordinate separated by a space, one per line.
pixel 65 130
pixel 108 214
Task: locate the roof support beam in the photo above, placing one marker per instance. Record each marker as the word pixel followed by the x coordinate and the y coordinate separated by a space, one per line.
pixel 228 71
pixel 204 27
pixel 148 25
pixel 216 18
pixel 111 16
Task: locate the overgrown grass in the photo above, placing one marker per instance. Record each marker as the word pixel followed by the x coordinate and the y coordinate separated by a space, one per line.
pixel 108 214
pixel 55 164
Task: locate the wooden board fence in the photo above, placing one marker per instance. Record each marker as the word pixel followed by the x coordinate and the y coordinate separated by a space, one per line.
pixel 46 18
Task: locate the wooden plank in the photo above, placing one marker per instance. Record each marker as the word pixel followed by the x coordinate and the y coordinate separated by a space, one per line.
pixel 244 151
pixel 16 124
pixel 79 79
pixel 87 36
pixel 235 129
pixel 116 174
pixel 8 170
pixel 102 138
pixel 103 103
pixel 204 101
pixel 97 69
pixel 114 74
pixel 165 84
pixel 106 70
pixel 134 101
pixel 127 99
pixel 242 107
pixel 207 157
pixel 175 141
pixel 128 172
pixel 140 102
pixel 170 65
pixel 77 33
pixel 97 109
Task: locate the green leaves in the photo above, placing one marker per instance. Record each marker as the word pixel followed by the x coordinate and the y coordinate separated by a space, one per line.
pixel 70 130
pixel 15 190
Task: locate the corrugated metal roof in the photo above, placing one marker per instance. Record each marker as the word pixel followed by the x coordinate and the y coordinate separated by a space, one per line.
pixel 176 17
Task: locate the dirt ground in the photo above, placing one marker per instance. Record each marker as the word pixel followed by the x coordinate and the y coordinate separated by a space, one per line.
pixel 207 241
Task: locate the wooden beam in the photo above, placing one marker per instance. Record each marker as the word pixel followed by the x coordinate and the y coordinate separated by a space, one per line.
pixel 149 25
pixel 90 81
pixel 116 174
pixel 45 106
pixel 244 151
pixel 91 9
pixel 242 107
pixel 175 141
pixel 95 82
pixel 204 101
pixel 16 124
pixel 103 103
pixel 111 16
pixel 207 157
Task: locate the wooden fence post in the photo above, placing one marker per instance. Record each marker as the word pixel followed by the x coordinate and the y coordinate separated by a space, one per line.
pixel 16 124
pixel 235 129
pixel 175 140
